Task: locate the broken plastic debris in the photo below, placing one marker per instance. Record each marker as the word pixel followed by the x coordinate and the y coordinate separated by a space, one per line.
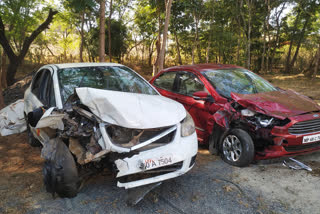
pixel 51 120
pixel 135 195
pixel 296 165
pixel 12 119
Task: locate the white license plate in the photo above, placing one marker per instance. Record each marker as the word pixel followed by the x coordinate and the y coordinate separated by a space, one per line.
pixel 158 162
pixel 311 138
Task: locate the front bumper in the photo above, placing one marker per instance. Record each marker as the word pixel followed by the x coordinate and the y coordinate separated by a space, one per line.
pixel 183 151
pixel 281 151
pixel 286 144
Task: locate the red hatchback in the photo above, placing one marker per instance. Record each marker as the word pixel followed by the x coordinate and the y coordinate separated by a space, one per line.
pixel 241 115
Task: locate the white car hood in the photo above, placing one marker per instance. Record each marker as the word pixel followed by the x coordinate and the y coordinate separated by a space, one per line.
pixel 131 110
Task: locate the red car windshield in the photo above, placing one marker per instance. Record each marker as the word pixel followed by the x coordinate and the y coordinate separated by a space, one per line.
pixel 237 80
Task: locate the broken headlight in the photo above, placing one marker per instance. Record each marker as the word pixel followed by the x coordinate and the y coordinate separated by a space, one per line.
pixel 247 113
pixel 261 119
pixel 187 126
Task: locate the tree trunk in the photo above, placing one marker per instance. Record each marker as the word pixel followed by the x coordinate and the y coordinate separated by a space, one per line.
pixel 165 35
pixel 82 37
pixel 16 60
pixel 264 39
pixel 192 54
pixel 3 70
pixel 12 69
pixel 299 44
pixel 198 42
pixel 208 52
pixel 276 45
pixel 178 48
pixel 150 53
pixel 249 4
pixel 316 67
pixel 287 68
pixel 109 32
pixel 158 44
pixel 102 35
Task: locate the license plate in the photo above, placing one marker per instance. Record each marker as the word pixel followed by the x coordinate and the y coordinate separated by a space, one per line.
pixel 157 162
pixel 311 138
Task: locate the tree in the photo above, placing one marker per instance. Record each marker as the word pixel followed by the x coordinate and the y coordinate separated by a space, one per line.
pixel 305 15
pixel 165 35
pixel 118 39
pixel 16 59
pixel 1 95
pixel 79 8
pixel 102 35
pixel 109 32
pixel 145 25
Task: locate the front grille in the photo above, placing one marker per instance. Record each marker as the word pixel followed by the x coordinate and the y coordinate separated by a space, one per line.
pixel 305 127
pixel 301 147
pixel 141 140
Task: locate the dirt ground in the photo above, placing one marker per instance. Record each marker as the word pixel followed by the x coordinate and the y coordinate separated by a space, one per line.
pixel 210 187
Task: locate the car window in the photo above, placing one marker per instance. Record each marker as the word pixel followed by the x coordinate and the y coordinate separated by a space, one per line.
pixel 189 83
pixel 36 83
pixel 43 88
pixel 115 78
pixel 165 81
pixel 49 96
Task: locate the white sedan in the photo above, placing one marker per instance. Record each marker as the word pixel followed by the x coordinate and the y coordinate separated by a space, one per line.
pixel 105 114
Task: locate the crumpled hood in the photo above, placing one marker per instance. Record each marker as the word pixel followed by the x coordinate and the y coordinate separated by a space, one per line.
pixel 131 110
pixel 280 104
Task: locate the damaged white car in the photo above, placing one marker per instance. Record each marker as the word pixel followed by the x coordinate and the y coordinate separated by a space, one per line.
pixel 90 116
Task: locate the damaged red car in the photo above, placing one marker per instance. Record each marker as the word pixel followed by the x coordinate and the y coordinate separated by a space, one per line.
pixel 240 115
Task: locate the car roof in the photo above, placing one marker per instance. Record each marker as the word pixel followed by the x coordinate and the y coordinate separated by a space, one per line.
pixel 84 64
pixel 202 67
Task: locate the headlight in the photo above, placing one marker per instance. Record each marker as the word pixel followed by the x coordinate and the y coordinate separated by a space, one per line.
pixel 265 122
pixel 187 126
pixel 247 113
pixel 260 119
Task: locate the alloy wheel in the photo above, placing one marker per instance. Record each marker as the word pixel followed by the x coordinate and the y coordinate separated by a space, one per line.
pixel 232 148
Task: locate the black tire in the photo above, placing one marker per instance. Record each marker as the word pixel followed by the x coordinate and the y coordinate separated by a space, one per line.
pixel 60 173
pixel 237 148
pixel 31 139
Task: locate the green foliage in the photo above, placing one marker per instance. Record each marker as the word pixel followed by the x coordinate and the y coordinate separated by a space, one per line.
pixel 118 39
pixel 21 17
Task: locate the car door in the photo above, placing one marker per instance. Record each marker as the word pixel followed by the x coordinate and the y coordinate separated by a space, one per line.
pixel 41 94
pixel 188 83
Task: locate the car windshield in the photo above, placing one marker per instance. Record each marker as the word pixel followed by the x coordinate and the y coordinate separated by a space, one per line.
pixel 237 80
pixel 115 78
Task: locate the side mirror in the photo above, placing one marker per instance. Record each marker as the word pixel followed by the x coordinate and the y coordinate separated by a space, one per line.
pixel 202 95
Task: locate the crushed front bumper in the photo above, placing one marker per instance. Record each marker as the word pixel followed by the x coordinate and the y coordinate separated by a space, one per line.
pixel 182 151
pixel 286 144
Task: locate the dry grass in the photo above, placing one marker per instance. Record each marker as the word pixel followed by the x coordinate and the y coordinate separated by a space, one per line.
pixel 299 83
pixel 20 170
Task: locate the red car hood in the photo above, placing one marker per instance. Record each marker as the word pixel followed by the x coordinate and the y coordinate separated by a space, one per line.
pixel 280 104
